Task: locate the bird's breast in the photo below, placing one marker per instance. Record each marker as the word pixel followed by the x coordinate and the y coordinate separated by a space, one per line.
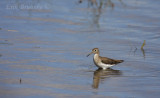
pixel 96 59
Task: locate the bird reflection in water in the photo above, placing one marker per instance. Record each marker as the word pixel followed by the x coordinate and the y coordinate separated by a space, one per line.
pixel 100 75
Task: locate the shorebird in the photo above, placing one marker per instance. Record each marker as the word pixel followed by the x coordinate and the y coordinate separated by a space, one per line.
pixel 103 62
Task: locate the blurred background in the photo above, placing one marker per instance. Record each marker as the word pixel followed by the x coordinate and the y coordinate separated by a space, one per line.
pixel 43 48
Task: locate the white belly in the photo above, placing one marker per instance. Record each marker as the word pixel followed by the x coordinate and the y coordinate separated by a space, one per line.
pixel 98 62
pixel 104 66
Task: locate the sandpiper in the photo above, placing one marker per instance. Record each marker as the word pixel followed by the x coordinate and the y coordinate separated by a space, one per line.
pixel 103 62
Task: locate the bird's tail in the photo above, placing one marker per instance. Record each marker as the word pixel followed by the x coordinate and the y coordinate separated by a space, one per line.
pixel 120 61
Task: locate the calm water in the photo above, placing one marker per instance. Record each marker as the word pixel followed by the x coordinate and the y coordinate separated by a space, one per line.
pixel 43 48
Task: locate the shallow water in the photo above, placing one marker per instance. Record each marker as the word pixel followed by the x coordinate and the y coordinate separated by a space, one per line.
pixel 44 46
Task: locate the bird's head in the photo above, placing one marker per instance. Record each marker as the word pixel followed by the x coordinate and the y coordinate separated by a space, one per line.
pixel 95 51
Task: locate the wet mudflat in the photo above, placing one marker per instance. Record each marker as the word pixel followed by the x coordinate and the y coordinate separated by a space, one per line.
pixel 43 48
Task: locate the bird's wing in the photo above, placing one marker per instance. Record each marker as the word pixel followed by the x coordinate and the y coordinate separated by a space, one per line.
pixel 110 61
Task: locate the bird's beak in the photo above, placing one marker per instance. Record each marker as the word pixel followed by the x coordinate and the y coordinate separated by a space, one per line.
pixel 89 54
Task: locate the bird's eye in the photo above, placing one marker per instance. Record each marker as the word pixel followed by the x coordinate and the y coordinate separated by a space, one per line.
pixel 94 50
